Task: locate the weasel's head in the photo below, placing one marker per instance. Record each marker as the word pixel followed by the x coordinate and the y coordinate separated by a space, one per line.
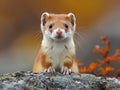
pixel 58 26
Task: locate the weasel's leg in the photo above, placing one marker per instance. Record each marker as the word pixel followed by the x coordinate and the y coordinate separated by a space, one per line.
pixel 37 67
pixel 66 68
pixel 50 69
pixel 74 67
pixel 43 64
pixel 48 66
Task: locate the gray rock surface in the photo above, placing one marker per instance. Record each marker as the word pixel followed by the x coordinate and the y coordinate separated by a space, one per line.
pixel 26 80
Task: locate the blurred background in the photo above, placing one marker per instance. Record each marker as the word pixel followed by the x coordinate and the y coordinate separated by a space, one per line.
pixel 20 34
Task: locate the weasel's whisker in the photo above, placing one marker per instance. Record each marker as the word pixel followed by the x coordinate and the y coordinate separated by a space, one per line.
pixel 37 35
pixel 79 39
pixel 79 35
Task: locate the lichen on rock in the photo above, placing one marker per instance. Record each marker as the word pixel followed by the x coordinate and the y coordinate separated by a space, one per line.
pixel 27 80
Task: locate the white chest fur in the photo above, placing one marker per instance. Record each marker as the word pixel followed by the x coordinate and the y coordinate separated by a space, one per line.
pixel 57 51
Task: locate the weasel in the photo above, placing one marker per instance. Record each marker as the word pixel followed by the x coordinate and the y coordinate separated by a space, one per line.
pixel 57 52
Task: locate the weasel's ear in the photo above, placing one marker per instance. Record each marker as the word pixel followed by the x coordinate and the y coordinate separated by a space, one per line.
pixel 72 17
pixel 43 18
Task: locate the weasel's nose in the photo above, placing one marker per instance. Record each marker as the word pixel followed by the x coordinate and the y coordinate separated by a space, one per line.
pixel 59 33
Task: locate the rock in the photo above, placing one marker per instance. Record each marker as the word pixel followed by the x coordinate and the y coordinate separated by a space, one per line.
pixel 27 80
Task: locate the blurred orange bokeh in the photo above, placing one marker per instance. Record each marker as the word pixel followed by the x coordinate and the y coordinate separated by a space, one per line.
pixel 103 66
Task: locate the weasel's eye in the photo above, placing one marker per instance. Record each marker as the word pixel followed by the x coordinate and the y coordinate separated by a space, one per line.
pixel 66 26
pixel 50 26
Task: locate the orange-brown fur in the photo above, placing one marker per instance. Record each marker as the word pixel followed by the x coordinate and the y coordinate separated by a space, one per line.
pixel 58 20
pixel 42 60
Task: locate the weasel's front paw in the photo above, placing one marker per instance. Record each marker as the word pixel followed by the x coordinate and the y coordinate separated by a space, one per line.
pixel 65 70
pixel 50 70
